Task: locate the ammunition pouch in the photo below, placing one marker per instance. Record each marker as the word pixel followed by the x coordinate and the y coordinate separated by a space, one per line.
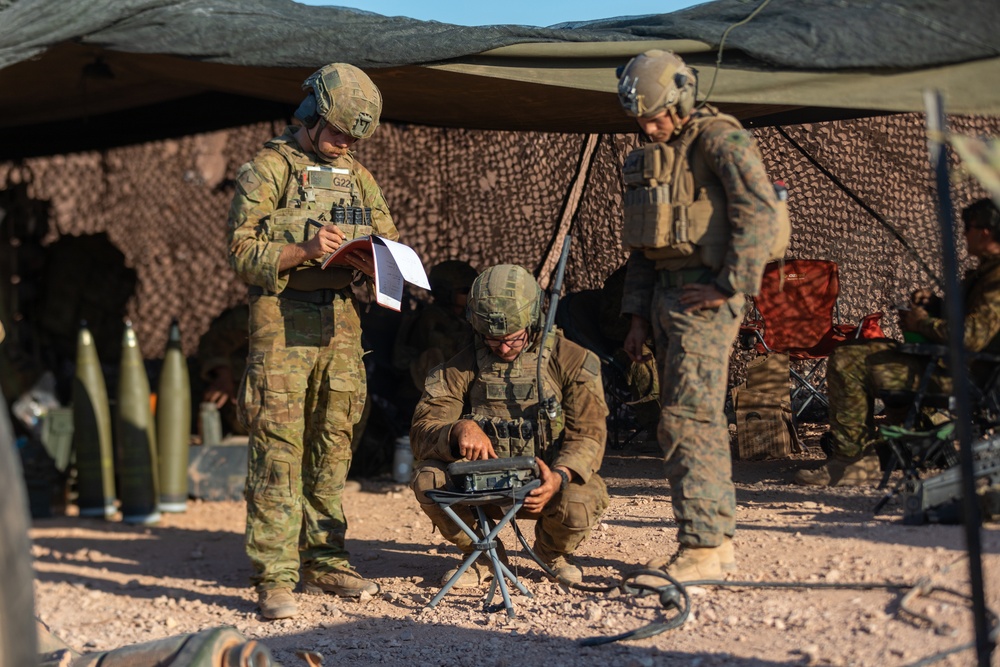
pixel 298 225
pixel 509 437
pixel 664 217
pixel 492 474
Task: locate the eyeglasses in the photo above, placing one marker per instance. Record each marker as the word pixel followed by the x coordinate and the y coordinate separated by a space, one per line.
pixel 512 341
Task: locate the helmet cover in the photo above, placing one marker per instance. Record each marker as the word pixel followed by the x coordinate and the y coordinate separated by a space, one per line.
pixel 346 98
pixel 504 299
pixel 655 81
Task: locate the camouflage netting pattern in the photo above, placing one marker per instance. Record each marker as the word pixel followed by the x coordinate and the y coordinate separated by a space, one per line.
pixel 491 197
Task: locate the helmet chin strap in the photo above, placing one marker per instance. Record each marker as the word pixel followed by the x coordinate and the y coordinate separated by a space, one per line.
pixel 318 127
pixel 675 119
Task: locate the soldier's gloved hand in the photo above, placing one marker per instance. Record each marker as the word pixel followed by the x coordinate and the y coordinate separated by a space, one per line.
pixel 636 338
pixel 470 441
pixel 536 500
pixel 327 239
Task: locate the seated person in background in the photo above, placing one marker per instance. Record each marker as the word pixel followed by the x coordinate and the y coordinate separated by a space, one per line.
pixel 439 330
pixel 857 371
pixel 490 390
pixel 632 383
pixel 641 377
pixel 222 358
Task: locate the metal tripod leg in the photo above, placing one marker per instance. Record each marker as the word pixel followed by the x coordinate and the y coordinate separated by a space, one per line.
pixel 488 546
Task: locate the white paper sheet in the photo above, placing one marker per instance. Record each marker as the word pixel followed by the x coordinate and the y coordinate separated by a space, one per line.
pixel 395 263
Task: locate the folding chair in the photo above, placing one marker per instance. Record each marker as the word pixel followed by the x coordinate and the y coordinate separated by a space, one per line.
pixel 478 485
pixel 796 313
pixel 913 446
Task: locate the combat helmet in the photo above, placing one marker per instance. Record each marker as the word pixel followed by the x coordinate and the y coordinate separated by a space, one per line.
pixel 657 81
pixel 343 96
pixel 503 300
pixel 450 277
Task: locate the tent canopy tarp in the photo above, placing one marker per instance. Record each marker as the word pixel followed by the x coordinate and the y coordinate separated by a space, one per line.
pixel 139 63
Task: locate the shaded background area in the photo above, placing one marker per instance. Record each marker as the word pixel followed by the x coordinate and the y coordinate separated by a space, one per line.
pixel 485 197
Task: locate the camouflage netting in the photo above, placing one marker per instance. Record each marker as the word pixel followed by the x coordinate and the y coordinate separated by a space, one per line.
pixel 486 197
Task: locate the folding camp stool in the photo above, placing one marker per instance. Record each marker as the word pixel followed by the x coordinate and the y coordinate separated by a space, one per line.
pixel 485 543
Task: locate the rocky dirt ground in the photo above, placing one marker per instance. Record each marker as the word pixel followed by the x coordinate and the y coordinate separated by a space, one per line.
pixel 101 585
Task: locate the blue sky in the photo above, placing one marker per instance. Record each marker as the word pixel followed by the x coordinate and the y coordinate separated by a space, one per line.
pixel 520 12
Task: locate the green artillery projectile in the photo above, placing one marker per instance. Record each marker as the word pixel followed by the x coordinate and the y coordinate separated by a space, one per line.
pixel 136 437
pixel 95 471
pixel 173 425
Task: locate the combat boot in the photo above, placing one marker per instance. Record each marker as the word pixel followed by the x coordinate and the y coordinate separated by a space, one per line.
pixel 564 569
pixel 277 603
pixel 727 555
pixel 343 581
pixel 480 572
pixel 687 564
pixel 841 472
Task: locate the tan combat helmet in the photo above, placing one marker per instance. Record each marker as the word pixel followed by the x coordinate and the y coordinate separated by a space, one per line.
pixel 657 81
pixel 503 300
pixel 344 97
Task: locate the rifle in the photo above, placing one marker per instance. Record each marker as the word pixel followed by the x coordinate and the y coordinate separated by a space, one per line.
pixel 547 405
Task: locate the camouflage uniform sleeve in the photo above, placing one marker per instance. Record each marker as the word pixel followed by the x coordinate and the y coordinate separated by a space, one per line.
pixel 441 405
pixel 259 187
pixel 752 205
pixel 371 195
pixel 982 316
pixel 640 277
pixel 583 407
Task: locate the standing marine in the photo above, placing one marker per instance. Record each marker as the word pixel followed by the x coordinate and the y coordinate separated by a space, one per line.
pixel 298 200
pixel 701 218
pixel 483 404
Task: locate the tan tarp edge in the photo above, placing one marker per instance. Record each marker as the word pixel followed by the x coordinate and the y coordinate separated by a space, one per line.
pixel 159 62
pixel 961 84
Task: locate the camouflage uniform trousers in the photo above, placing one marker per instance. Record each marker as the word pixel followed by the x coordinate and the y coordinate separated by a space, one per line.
pixel 564 524
pixel 856 373
pixel 303 392
pixel 693 351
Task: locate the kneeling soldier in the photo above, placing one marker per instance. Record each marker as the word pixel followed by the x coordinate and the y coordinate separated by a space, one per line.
pixel 483 404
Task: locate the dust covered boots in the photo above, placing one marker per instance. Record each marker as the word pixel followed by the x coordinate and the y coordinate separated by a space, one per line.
pixel 344 582
pixel 565 569
pixel 691 564
pixel 478 574
pixel 277 603
pixel 842 472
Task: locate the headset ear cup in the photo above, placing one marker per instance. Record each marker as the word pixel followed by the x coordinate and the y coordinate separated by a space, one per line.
pixel 686 82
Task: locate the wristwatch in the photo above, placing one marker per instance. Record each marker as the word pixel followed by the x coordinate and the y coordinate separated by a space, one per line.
pixel 565 478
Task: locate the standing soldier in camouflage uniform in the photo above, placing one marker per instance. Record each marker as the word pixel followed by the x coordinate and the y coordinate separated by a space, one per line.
pixel 483 404
pixel 299 199
pixel 699 215
pixel 857 371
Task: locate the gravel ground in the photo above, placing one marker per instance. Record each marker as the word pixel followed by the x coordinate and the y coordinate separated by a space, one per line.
pixel 101 585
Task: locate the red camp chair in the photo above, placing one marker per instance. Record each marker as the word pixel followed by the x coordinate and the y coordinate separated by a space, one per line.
pixel 796 313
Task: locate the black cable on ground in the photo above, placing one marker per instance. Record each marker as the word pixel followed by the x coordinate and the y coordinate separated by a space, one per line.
pixel 674 596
